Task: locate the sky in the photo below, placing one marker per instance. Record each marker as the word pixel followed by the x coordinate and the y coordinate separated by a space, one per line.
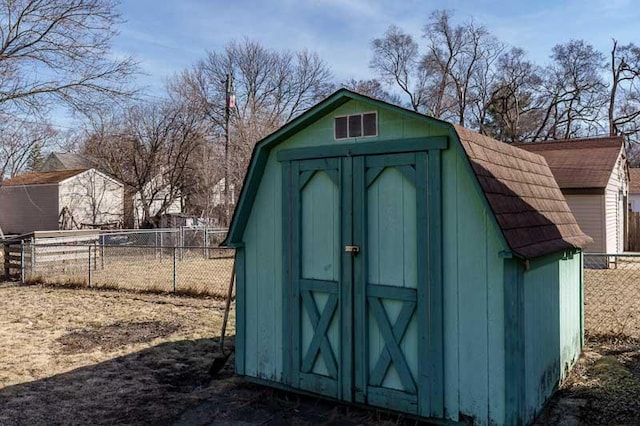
pixel 169 36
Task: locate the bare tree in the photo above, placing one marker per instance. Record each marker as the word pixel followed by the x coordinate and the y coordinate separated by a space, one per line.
pixel 514 110
pixel 59 51
pixel 372 88
pixel 396 59
pixel 459 60
pixel 150 151
pixel 270 87
pixel 575 91
pixel 20 140
pixel 455 75
pixel 623 111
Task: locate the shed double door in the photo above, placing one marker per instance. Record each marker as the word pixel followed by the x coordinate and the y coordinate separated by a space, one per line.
pixel 357 264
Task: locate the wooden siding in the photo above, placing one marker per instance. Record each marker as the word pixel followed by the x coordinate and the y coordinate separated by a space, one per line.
pixel 589 212
pixel 616 189
pixel 472 274
pixel 552 326
pixel 24 209
pixel 571 332
pixel 473 301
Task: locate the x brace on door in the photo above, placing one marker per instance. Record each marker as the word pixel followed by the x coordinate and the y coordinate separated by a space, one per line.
pixel 320 342
pixel 392 336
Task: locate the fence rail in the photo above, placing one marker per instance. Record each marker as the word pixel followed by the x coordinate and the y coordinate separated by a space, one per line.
pixel 190 269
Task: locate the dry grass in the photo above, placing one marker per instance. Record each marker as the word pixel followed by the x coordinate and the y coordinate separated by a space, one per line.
pixel 86 357
pixel 194 275
pixel 602 389
pixel 75 356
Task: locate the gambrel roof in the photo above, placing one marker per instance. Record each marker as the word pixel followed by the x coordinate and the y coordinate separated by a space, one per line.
pixel 518 186
pixel 530 209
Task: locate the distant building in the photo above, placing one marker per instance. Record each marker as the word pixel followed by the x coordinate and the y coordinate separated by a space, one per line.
pixel 65 161
pixel 594 178
pixel 61 199
pixel 156 191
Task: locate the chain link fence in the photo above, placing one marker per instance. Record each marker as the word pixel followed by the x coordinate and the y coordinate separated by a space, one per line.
pixel 612 295
pixel 117 263
pixel 164 237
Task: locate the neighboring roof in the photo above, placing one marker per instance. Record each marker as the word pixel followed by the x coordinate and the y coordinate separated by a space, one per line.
pixel 527 203
pixel 71 161
pixel 530 209
pixel 41 178
pixel 580 163
pixel 634 179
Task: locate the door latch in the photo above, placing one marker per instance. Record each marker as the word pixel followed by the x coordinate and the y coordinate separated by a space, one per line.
pixel 352 249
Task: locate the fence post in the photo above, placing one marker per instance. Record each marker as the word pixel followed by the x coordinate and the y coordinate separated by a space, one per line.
pixel 95 255
pixel 33 256
pixel 204 245
pixel 161 244
pixel 175 270
pixel 102 252
pixel 22 277
pixel 90 272
pixel 181 243
pixel 7 261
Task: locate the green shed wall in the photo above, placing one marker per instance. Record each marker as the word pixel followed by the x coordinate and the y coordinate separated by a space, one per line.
pixel 473 279
pixel 552 324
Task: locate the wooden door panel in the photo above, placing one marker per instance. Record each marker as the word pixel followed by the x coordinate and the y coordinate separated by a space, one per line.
pixel 388 286
pixel 316 275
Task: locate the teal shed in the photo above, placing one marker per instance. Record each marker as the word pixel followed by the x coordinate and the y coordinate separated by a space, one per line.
pixel 390 259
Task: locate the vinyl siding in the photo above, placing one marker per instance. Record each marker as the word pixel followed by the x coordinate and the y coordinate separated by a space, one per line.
pixel 92 198
pixel 589 213
pixel 24 209
pixel 614 208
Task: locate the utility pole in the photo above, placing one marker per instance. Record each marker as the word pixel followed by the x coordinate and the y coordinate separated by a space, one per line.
pixel 229 106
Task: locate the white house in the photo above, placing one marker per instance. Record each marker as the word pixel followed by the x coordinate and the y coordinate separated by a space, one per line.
pixel 593 175
pixel 62 199
pixel 157 191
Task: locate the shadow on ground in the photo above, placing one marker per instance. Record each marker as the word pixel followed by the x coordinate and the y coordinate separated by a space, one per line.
pixel 168 384
pixel 151 386
pixel 604 388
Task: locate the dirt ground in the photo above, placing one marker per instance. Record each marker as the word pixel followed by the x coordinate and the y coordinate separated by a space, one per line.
pixel 74 356
pixel 603 389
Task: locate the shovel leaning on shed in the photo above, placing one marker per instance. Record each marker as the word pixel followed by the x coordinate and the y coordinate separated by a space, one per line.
pixel 220 360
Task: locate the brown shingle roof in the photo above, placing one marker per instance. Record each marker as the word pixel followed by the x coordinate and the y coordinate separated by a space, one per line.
pixel 41 178
pixel 580 163
pixel 634 179
pixel 524 196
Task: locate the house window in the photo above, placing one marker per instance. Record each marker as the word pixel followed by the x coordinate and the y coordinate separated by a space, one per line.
pixel 356 125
